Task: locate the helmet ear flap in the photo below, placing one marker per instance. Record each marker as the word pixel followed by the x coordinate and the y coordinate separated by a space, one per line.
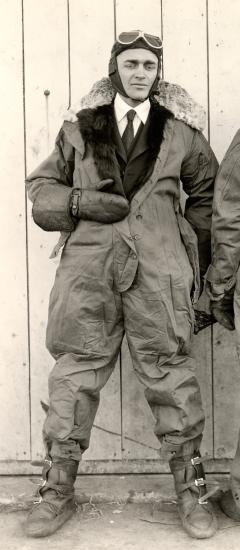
pixel 154 89
pixel 112 66
pixel 115 77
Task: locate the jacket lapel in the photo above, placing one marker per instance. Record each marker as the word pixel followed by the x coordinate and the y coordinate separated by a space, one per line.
pixel 142 194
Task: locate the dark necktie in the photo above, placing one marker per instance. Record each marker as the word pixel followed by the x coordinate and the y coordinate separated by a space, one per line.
pixel 128 134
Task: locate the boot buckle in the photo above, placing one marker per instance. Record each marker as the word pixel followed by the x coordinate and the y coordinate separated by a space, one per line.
pixel 39 500
pixel 203 500
pixel 199 482
pixel 44 481
pixel 196 460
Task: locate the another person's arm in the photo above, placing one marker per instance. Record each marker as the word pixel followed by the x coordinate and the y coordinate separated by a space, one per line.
pixel 221 275
pixel 198 174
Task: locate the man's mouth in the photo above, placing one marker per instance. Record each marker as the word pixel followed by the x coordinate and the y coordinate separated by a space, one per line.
pixel 139 85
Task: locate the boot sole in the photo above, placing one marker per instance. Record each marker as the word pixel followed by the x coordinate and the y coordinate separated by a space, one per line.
pixel 47 530
pixel 206 534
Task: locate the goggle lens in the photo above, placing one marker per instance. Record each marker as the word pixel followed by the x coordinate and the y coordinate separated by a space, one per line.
pixel 131 37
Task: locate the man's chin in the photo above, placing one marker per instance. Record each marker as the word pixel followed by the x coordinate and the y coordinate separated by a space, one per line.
pixel 140 95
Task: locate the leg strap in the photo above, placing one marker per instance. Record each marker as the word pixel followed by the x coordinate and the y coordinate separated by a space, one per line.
pixel 199 481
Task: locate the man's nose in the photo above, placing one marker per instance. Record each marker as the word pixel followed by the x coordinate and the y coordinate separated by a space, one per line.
pixel 140 73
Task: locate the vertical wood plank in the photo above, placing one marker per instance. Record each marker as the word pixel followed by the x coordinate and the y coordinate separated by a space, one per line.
pixel 224 61
pixel 138 439
pixel 226 381
pixel 144 15
pixel 185 46
pixel 224 42
pixel 46 66
pixel 14 390
pixel 91 39
pixel 185 62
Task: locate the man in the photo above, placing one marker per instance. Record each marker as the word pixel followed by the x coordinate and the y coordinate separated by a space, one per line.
pixel 223 279
pixel 129 265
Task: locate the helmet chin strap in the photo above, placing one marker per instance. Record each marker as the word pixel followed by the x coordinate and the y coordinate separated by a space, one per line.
pixel 117 83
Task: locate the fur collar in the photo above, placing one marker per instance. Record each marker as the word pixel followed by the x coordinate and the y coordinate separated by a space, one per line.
pixel 171 96
pixel 97 130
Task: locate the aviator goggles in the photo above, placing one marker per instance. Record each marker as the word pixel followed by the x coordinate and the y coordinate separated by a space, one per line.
pixel 131 37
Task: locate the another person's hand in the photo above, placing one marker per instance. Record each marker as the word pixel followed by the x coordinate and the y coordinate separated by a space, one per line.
pixel 202 320
pixel 223 311
pixel 88 204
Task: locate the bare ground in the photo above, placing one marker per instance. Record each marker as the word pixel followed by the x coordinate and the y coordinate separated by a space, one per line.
pixel 148 520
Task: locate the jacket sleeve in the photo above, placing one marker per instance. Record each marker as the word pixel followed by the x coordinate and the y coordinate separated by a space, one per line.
pixel 49 187
pixel 222 273
pixel 198 173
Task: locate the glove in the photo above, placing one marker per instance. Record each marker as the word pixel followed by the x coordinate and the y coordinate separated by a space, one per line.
pixel 202 320
pixel 223 311
pixel 88 204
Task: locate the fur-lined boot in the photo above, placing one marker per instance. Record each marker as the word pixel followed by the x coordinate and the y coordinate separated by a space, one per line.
pixel 230 501
pixel 56 503
pixel 195 511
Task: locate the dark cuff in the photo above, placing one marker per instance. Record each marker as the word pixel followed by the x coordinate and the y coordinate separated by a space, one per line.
pixel 51 208
pixel 204 249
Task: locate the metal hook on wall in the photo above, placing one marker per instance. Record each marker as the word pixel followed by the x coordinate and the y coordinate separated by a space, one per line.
pixel 47 94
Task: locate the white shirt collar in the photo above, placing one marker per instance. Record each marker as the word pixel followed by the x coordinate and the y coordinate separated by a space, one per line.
pixel 121 108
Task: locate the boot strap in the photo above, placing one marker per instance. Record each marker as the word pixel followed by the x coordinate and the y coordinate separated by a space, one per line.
pixel 200 482
pixel 47 502
pixel 197 461
pixel 210 493
pixel 61 490
pixel 47 465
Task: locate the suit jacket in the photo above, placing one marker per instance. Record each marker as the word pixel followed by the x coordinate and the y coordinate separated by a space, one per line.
pixel 133 166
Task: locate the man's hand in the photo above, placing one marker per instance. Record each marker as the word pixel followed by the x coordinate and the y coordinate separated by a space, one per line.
pixel 98 206
pixel 223 311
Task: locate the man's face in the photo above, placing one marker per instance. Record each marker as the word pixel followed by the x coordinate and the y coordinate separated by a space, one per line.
pixel 137 69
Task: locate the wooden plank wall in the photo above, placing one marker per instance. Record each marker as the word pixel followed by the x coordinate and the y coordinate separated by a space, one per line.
pixel 51 53
pixel 14 394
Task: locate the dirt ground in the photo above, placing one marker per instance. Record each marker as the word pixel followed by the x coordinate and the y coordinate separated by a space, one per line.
pixel 150 524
